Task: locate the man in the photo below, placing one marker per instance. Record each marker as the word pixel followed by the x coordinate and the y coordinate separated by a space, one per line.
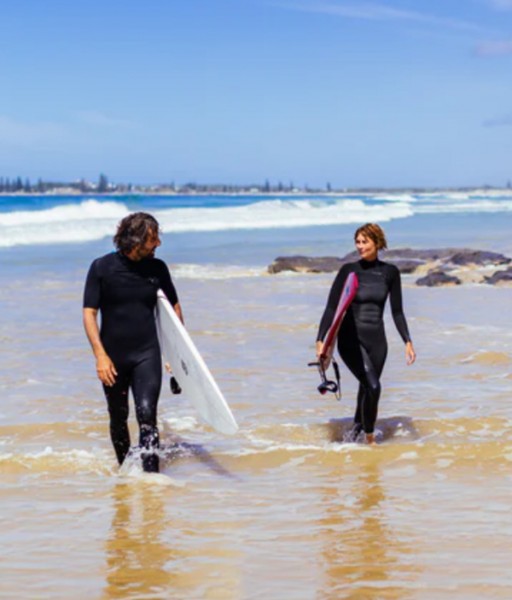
pixel 123 287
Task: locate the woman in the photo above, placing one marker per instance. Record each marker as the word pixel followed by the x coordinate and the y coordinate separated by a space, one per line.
pixel 362 340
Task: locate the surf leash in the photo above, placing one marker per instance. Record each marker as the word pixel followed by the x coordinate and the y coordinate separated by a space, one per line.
pixel 175 386
pixel 328 385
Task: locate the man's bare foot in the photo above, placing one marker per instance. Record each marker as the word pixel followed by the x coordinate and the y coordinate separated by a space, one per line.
pixel 370 439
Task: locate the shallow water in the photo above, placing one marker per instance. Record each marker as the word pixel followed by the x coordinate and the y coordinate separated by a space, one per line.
pixel 285 508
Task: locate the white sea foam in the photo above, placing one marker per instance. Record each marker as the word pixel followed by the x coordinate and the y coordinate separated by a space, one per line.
pixel 92 219
pixel 74 455
pixel 408 471
pixel 187 423
pixel 49 458
pixel 290 447
pixel 474 195
pixel 192 271
pixel 408 456
pixel 394 197
pixel 133 471
pixel 467 205
pixel 89 220
pixel 279 213
pixel 85 211
pixel 265 446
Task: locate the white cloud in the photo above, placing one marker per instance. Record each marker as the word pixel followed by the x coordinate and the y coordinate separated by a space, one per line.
pixel 502 4
pixel 24 133
pixel 378 12
pixel 495 48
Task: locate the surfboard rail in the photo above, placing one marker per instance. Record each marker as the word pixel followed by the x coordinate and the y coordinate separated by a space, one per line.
pixel 190 370
pixel 347 296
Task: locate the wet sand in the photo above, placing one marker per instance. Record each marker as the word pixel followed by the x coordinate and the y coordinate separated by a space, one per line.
pixel 283 509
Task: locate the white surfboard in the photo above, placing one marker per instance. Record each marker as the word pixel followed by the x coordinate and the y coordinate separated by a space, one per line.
pixel 190 370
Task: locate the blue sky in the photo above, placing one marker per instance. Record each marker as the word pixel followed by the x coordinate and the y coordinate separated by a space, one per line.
pixel 355 93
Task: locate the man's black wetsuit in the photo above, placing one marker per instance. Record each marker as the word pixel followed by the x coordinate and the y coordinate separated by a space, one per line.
pixel 362 340
pixel 125 293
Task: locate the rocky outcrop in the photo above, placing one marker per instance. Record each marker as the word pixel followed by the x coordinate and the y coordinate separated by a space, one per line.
pixel 436 278
pixel 500 277
pixel 438 266
pixel 478 257
pixel 306 264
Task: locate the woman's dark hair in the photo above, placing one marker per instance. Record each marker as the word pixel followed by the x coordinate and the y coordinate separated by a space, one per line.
pixel 134 230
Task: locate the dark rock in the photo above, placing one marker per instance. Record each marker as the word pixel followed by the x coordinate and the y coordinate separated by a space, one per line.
pixel 479 257
pixel 456 256
pixel 420 254
pixel 438 278
pixel 306 264
pixel 500 277
pixel 329 264
pixel 406 266
pixel 408 260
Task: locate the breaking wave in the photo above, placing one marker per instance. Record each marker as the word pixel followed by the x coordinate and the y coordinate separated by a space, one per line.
pixel 82 220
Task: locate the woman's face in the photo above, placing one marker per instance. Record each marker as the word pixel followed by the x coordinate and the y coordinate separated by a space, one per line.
pixel 366 247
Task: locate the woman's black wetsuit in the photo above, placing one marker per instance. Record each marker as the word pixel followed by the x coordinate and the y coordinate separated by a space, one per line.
pixel 362 340
pixel 125 293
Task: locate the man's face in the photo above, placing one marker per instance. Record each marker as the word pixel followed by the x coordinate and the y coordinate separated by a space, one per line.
pixel 147 249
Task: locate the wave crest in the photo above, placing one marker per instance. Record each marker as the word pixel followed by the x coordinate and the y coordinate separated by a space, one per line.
pixel 92 220
pixel 89 220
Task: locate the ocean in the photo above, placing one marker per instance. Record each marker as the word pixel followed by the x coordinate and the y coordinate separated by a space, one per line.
pixel 284 508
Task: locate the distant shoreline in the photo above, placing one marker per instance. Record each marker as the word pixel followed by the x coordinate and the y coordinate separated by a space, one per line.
pixel 254 192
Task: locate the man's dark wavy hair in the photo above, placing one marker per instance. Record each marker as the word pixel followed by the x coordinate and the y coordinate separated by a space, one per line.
pixel 134 230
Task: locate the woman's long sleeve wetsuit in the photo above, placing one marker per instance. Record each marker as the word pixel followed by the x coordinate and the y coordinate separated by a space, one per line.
pixel 362 340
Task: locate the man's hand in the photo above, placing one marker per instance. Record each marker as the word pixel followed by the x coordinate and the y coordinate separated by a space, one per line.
pixel 104 366
pixel 106 370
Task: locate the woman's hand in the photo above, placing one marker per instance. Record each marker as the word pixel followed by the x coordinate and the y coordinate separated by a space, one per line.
pixel 323 359
pixel 410 354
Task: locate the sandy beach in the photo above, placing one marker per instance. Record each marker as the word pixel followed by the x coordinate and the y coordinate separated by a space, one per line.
pixel 284 508
pixel 260 135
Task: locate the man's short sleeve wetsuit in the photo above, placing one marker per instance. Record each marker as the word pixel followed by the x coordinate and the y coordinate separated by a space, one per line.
pixel 362 340
pixel 125 292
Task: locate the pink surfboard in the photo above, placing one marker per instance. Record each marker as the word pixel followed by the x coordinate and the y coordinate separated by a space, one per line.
pixel 347 295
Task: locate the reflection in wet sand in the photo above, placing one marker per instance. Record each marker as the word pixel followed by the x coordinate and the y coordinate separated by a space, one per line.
pixel 362 556
pixel 137 556
pixel 157 549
